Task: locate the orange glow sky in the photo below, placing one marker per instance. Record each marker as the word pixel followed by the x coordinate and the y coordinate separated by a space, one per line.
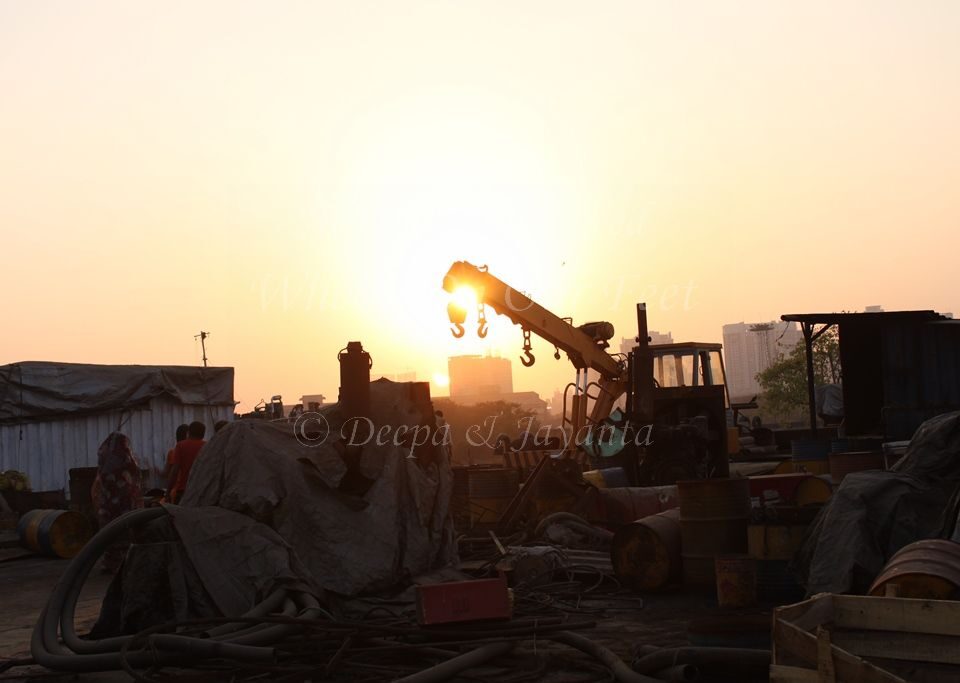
pixel 292 176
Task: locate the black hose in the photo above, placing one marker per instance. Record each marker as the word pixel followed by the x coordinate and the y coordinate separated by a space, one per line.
pixel 679 673
pixel 450 668
pixel 609 659
pixel 743 662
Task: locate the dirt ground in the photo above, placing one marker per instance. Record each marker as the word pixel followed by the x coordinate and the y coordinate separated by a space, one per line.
pixel 25 584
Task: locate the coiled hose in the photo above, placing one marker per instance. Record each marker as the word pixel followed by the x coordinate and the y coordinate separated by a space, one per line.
pixel 233 641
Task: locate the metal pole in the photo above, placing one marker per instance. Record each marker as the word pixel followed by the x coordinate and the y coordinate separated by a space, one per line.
pixel 203 337
pixel 811 392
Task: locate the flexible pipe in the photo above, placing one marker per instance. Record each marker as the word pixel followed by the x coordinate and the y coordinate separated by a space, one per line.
pixel 608 658
pixel 745 662
pixel 451 667
pixel 100 655
pixel 679 673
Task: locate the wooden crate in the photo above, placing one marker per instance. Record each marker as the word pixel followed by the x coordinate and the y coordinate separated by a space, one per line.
pixel 852 639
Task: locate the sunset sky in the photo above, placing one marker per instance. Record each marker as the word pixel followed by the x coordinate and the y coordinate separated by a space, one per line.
pixel 292 176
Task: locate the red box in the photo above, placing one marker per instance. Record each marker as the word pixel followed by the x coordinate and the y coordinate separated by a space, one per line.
pixel 447 603
pixel 784 484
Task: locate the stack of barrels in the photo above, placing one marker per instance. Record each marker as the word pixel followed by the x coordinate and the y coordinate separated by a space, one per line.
pixel 714 514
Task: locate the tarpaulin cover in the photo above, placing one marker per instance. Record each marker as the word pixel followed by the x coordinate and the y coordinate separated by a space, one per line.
pixel 873 514
pixel 358 518
pixel 34 390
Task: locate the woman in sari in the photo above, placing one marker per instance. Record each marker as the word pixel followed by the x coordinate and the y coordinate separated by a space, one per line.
pixel 116 489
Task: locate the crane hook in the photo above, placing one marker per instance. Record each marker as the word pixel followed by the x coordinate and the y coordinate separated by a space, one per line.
pixel 556 352
pixel 482 321
pixel 457 330
pixel 529 360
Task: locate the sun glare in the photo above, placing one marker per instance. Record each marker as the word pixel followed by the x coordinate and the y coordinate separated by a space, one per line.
pixel 440 380
pixel 464 297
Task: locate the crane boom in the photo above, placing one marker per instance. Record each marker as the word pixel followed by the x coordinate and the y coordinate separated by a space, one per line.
pixel 582 349
pixel 584 345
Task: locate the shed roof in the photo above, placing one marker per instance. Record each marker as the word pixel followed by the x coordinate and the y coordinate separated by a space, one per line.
pixel 42 390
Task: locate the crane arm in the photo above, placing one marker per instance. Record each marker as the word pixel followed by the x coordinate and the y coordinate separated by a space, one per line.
pixel 583 349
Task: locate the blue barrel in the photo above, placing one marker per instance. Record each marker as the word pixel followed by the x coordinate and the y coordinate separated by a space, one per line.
pixel 839 445
pixel 57 533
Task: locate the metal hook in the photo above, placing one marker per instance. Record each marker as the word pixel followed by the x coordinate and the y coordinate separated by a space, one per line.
pixel 457 330
pixel 482 321
pixel 527 346
pixel 556 352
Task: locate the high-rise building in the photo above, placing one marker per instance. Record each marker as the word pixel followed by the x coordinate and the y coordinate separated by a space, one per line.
pixel 481 379
pixel 479 376
pixel 750 348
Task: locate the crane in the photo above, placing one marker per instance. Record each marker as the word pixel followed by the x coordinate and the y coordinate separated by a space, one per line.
pixel 585 345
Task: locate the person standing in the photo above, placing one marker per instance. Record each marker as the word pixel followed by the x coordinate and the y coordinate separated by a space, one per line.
pixel 116 490
pixel 168 466
pixel 184 455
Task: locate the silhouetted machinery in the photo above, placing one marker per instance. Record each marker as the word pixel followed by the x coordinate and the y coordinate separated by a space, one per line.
pixel 673 423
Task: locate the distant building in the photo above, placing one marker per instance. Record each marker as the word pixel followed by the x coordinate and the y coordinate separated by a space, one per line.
pixel 307 399
pixel 477 376
pixel 873 309
pixel 627 343
pixel 750 348
pixel 482 379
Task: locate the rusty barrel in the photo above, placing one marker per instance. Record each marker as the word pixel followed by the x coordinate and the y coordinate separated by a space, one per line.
pixel 646 553
pixel 625 504
pixel 774 541
pixel 58 533
pixel 928 570
pixel 736 580
pixel 842 464
pixel 713 521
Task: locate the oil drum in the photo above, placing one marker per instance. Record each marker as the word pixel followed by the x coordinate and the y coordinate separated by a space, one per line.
pixel 713 521
pixel 646 553
pixel 57 533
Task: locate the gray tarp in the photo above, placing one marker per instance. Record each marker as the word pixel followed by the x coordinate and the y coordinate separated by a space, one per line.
pixel 359 519
pixel 873 514
pixel 34 390
pixel 238 560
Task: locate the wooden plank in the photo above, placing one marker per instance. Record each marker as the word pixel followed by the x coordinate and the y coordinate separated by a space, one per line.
pixel 808 614
pixel 788 638
pixel 940 617
pixel 912 647
pixel 792 674
pixel 825 668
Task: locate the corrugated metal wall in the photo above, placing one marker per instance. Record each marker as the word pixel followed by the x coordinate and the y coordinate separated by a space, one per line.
pixel 46 451
pixel 921 374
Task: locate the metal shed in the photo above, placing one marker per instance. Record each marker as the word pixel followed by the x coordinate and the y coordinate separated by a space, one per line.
pixel 899 368
pixel 53 416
